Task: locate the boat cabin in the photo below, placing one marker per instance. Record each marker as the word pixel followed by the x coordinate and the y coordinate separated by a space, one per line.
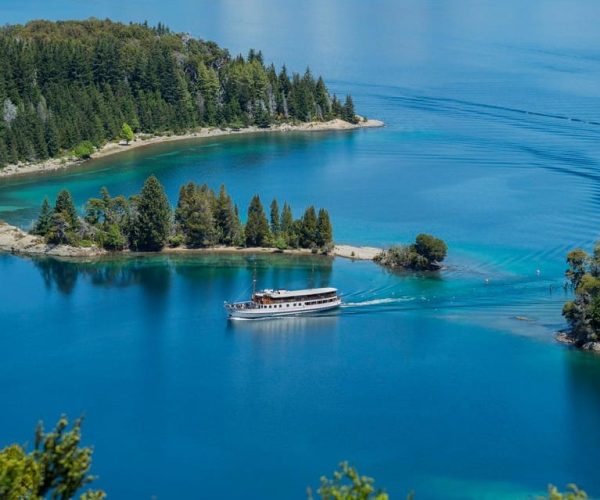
pixel 297 297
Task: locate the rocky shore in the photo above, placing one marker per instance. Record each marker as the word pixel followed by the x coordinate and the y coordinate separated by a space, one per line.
pixel 564 338
pixel 113 147
pixel 17 241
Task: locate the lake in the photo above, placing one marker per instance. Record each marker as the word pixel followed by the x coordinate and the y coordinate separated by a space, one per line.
pixel 450 385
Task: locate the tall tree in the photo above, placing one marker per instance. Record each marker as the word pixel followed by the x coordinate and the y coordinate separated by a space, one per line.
pixel 275 222
pixel 151 225
pixel 194 215
pixel 257 227
pixel 65 207
pixel 308 234
pixel 324 229
pixel 43 224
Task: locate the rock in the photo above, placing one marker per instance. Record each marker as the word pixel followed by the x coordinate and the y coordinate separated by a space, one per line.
pixel 591 346
pixel 15 240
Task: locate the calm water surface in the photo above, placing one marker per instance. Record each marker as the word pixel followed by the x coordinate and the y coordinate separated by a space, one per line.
pixel 425 382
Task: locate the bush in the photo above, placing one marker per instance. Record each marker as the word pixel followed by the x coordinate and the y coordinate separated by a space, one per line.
pixel 83 150
pixel 176 240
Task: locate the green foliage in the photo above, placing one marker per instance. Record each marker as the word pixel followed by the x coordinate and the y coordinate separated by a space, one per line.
pixel 151 223
pixel 75 84
pixel 58 467
pixel 257 227
pixel 201 220
pixel 44 222
pixel 583 313
pixel 308 228
pixel 426 254
pixel 83 150
pixel 275 221
pixel 431 248
pixel 20 474
pixel 194 215
pixel 348 484
pixel 126 133
pixel 572 493
pixel 324 230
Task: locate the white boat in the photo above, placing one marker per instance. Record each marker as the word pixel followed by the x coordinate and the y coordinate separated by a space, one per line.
pixel 275 303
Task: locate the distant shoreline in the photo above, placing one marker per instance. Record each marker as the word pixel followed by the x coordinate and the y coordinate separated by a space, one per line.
pixel 113 148
pixel 16 241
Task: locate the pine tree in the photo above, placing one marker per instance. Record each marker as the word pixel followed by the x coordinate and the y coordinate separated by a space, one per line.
pixel 348 113
pixel 287 225
pixel 195 215
pixel 275 222
pixel 151 226
pixel 257 227
pixel 308 231
pixel 64 205
pixel 324 230
pixel 225 218
pixel 44 222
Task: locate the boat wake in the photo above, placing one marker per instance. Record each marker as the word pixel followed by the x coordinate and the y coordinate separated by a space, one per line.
pixel 375 302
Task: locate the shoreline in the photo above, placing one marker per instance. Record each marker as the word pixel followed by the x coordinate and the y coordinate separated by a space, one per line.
pixel 18 242
pixel 113 148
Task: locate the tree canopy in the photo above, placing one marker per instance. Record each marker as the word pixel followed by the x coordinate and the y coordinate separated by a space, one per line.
pixel 146 221
pixel 425 254
pixel 58 467
pixel 583 312
pixel 74 85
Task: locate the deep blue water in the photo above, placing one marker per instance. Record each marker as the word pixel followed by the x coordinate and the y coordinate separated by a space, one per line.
pixel 429 383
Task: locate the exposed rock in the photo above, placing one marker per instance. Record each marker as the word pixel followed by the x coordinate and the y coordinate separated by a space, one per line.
pixel 15 240
pixel 591 346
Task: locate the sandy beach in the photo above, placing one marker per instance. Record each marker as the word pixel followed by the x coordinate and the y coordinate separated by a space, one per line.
pixel 114 147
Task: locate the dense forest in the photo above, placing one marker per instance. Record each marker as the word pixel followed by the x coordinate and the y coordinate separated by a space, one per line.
pixel 202 218
pixel 64 83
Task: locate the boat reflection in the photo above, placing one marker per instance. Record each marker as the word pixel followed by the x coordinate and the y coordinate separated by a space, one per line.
pixel 323 322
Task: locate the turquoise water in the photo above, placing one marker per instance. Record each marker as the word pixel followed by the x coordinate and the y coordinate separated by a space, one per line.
pixel 426 382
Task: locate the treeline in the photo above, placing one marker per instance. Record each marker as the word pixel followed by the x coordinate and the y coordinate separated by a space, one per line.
pixel 202 218
pixel 62 83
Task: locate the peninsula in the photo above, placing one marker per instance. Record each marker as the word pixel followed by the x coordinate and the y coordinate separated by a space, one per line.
pixel 202 221
pixel 71 90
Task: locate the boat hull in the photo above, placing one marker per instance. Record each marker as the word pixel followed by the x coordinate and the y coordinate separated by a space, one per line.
pixel 256 313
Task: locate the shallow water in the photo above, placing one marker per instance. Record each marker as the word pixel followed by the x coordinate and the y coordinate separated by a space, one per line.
pixel 426 382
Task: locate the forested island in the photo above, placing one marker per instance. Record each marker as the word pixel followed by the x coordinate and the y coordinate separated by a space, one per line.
pixel 145 222
pixel 67 88
pixel 425 254
pixel 583 312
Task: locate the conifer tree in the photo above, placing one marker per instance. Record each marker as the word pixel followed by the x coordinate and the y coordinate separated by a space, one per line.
pixel 308 232
pixel 348 112
pixel 324 230
pixel 225 218
pixel 195 215
pixel 66 208
pixel 287 224
pixel 44 222
pixel 151 226
pixel 275 222
pixel 257 227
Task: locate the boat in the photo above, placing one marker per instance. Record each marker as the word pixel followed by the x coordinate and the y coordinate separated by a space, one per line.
pixel 275 303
